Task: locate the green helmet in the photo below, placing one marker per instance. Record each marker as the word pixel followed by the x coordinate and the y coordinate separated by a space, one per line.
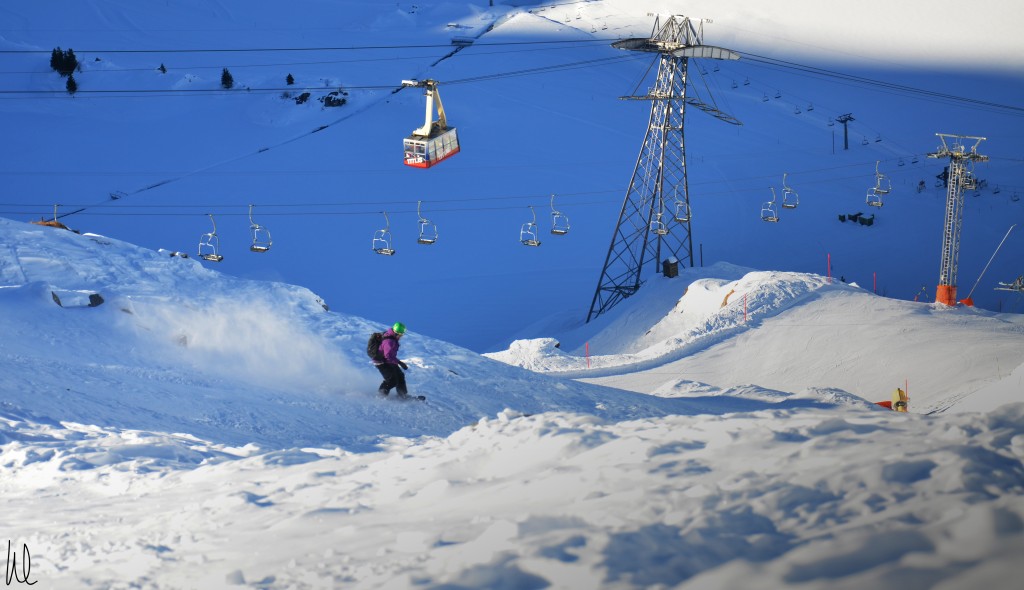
pixel 399 328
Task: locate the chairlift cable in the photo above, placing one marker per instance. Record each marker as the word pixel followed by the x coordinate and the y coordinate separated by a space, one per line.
pixel 306 49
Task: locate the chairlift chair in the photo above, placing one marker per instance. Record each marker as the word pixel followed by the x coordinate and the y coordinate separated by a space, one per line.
pixel 874 198
pixel 1017 285
pixel 790 198
pixel 658 227
pixel 769 212
pixel 382 238
pixel 778 94
pixel 209 244
pixel 528 233
pixel 881 179
pixel 831 122
pixel 428 231
pixel 810 107
pixel 260 235
pixel 796 110
pixel 734 84
pixel 746 82
pixel 559 222
pixel 682 214
pixel 434 142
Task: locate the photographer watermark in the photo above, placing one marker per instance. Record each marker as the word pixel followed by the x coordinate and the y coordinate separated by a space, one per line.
pixel 18 568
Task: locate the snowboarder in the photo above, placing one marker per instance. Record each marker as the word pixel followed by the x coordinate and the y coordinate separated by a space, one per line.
pixel 388 363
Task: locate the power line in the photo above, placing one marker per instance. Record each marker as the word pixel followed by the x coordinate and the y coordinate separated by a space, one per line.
pixel 235 91
pixel 304 63
pixel 880 84
pixel 310 49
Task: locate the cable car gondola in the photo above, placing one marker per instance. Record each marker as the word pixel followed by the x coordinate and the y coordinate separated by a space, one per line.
pixel 434 142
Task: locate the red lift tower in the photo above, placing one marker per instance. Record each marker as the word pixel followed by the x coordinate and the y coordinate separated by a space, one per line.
pixel 961 178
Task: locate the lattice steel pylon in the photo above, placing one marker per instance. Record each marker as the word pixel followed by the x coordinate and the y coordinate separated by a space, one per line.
pixel 960 178
pixel 647 229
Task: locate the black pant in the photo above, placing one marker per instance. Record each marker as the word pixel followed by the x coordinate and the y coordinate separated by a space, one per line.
pixel 394 377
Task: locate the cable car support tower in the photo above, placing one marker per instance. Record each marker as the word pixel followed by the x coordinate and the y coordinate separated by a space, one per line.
pixel 960 178
pixel 646 232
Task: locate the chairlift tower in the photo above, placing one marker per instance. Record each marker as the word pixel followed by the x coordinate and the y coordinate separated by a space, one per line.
pixel 660 168
pixel 960 178
pixel 845 120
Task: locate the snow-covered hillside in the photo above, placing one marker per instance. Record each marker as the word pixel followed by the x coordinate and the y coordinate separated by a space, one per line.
pixel 195 430
pixel 170 335
pixel 172 423
pixel 732 327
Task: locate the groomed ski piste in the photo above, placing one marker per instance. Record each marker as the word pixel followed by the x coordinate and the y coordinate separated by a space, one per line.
pixel 196 430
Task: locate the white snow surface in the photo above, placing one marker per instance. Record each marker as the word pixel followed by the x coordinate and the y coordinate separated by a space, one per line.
pixel 196 430
pixel 216 426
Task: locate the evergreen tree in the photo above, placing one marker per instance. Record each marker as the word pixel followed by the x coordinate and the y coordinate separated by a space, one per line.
pixel 70 61
pixel 63 62
pixel 226 80
pixel 71 86
pixel 289 80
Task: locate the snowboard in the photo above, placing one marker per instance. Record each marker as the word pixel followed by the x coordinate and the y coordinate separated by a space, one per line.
pixel 407 398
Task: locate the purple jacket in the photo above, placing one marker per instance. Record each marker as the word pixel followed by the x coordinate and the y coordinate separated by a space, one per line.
pixel 389 347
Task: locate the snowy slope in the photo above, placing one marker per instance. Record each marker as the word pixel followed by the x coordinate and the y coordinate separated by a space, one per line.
pixel 158 353
pixel 213 426
pixel 789 331
pixel 196 431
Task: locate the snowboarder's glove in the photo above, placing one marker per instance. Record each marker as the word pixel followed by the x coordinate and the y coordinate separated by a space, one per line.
pixel 403 365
